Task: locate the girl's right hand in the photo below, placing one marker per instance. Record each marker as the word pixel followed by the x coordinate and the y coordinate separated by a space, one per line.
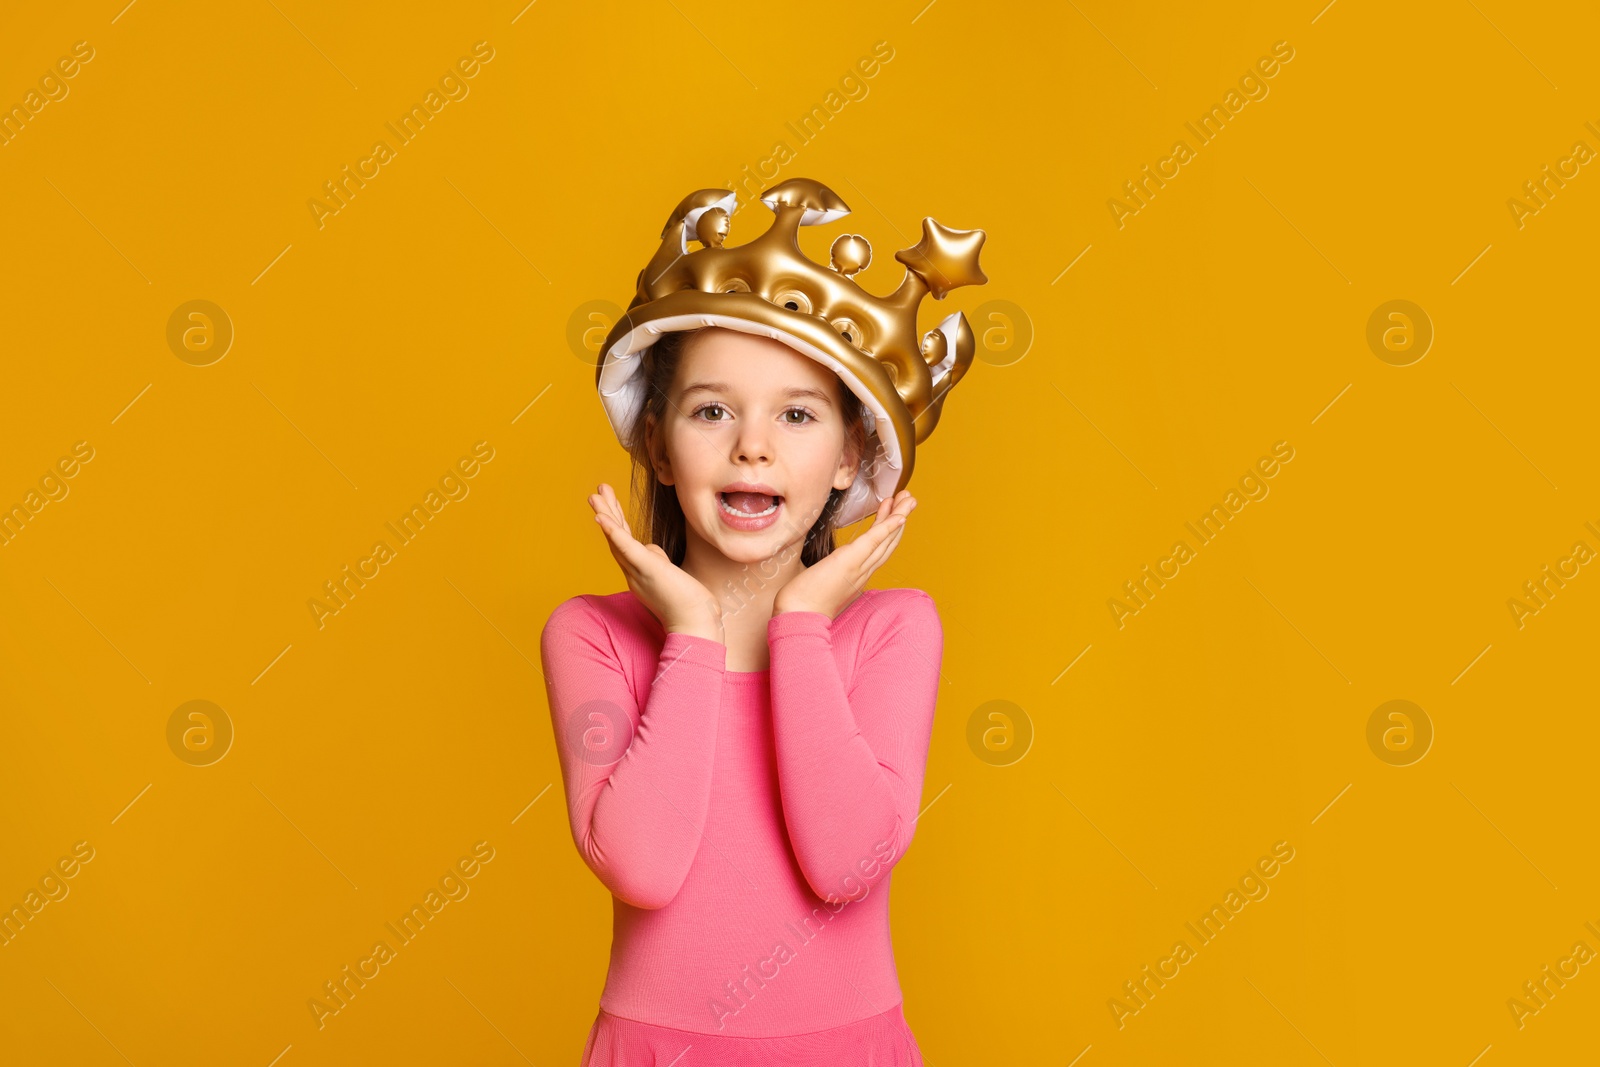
pixel 674 596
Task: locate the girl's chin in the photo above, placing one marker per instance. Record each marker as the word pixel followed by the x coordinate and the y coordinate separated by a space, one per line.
pixel 749 546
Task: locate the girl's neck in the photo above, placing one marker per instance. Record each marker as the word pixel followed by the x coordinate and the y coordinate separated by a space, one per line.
pixel 747 592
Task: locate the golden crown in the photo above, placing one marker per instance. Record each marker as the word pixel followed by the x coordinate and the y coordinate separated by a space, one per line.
pixel 769 286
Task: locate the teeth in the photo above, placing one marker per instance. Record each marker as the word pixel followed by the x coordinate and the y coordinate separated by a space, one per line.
pixel 723 504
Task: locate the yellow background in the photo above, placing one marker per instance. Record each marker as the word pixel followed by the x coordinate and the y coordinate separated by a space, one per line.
pixel 430 312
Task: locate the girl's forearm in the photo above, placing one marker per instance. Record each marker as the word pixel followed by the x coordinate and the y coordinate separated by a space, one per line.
pixel 850 764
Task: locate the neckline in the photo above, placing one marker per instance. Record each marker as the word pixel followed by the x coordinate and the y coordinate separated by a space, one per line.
pixel 763 674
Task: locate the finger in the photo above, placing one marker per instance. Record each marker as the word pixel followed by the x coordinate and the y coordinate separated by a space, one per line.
pixel 623 544
pixel 882 527
pixel 623 541
pixel 614 543
pixel 614 511
pixel 894 530
pixel 613 504
pixel 882 553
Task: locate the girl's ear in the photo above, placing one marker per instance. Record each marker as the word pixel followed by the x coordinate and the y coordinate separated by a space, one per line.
pixel 654 447
pixel 849 466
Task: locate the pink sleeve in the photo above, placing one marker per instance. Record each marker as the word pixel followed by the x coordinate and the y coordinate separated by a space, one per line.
pixel 850 763
pixel 638 781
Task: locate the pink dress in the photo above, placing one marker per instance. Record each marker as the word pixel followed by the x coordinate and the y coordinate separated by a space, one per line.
pixel 746 823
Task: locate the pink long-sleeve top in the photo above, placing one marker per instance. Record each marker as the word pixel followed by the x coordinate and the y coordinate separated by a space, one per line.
pixel 745 822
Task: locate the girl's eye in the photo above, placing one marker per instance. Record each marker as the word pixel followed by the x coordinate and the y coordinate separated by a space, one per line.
pixel 700 412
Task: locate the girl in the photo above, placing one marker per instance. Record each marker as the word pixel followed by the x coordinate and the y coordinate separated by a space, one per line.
pixel 743 731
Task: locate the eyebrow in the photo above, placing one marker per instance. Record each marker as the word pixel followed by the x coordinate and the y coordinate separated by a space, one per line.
pixel 723 387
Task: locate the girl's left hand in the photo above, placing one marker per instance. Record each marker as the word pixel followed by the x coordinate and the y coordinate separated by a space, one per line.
pixel 835 580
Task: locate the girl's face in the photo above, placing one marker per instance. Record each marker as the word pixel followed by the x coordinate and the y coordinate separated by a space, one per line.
pixel 753 440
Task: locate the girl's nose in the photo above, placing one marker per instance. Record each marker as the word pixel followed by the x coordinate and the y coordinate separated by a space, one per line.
pixel 753 445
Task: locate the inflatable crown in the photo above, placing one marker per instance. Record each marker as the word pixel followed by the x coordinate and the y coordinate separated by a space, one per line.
pixel 769 287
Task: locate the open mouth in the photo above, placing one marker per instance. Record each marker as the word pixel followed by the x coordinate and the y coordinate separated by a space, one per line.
pixel 748 505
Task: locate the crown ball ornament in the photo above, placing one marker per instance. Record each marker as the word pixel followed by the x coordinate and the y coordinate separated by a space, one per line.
pixel 769 287
pixel 850 254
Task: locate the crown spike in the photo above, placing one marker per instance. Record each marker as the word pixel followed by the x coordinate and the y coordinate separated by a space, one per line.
pixel 944 259
pixel 683 225
pixel 821 204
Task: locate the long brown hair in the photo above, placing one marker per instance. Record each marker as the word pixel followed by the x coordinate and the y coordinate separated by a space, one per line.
pixel 658 505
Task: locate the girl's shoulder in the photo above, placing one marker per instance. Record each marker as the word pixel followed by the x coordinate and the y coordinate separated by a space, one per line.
pixel 900 596
pixel 893 609
pixel 601 611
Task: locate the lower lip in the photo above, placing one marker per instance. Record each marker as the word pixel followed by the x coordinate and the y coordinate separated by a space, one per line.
pixel 751 523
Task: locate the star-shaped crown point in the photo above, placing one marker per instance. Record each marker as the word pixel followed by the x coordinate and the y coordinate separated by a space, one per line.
pixel 945 259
